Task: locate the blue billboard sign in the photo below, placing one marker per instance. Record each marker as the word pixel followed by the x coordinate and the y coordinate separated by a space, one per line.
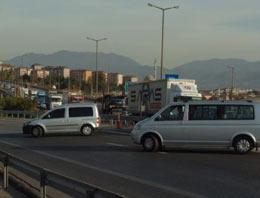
pixel 168 76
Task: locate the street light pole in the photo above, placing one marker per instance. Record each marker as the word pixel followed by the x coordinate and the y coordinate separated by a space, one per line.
pixel 96 40
pixel 163 11
pixel 232 82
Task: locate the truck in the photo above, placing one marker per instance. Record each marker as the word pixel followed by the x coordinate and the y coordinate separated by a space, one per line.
pixel 26 92
pixel 112 104
pixel 55 100
pixel 76 97
pixel 148 97
pixel 32 94
pixel 42 100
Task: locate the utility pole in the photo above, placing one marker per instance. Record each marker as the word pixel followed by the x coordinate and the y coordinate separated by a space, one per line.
pixel 96 40
pixel 163 11
pixel 232 82
pixel 108 78
pixel 154 64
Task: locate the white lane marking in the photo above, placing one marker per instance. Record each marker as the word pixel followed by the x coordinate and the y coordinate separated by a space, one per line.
pixel 124 176
pixel 114 132
pixel 114 144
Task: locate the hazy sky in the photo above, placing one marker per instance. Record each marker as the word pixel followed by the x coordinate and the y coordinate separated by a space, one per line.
pixel 198 30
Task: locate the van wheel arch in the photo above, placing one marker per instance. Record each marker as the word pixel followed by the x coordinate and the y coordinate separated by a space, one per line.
pixel 245 137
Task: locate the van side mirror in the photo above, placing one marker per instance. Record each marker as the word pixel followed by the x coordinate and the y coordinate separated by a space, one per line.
pixel 47 116
pixel 158 118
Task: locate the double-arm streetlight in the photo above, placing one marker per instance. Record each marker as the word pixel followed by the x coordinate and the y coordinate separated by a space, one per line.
pixel 163 10
pixel 96 40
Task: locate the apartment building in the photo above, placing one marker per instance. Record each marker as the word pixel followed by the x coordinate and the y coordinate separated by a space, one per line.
pixel 81 74
pixel 61 71
pixel 36 66
pixel 20 71
pixel 101 74
pixel 6 67
pixel 39 73
pixel 115 79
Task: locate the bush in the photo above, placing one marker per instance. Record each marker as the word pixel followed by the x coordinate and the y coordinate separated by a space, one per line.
pixel 15 103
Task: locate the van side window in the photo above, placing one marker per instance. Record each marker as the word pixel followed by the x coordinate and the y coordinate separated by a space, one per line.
pixel 172 113
pixel 58 113
pixel 238 112
pixel 221 112
pixel 203 112
pixel 80 112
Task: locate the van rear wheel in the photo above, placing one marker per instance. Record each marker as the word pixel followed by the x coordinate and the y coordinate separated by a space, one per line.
pixel 87 130
pixel 151 143
pixel 243 144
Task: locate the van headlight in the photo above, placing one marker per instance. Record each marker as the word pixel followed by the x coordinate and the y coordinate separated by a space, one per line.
pixel 138 127
pixel 27 123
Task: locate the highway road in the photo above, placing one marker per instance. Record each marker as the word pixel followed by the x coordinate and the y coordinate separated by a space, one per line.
pixel 110 160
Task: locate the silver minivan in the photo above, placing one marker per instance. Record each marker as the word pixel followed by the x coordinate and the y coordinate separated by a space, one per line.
pixel 82 118
pixel 202 124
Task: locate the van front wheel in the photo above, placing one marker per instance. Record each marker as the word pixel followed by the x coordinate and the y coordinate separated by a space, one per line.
pixel 87 130
pixel 243 144
pixel 37 131
pixel 150 143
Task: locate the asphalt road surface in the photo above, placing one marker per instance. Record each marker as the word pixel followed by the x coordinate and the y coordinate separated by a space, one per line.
pixel 110 160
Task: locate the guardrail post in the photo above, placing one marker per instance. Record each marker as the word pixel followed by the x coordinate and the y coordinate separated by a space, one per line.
pixel 90 193
pixel 43 184
pixel 6 159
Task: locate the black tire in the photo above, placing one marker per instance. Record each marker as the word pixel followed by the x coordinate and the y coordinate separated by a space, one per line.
pixel 37 131
pixel 243 144
pixel 151 143
pixel 87 130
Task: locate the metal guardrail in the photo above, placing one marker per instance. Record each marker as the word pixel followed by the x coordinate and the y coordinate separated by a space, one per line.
pixel 20 114
pixel 47 177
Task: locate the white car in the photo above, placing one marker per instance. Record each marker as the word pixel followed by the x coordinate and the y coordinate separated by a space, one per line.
pixel 82 118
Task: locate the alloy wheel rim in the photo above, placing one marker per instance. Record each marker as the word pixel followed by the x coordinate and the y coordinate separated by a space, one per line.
pixel 243 145
pixel 149 143
pixel 35 131
pixel 87 130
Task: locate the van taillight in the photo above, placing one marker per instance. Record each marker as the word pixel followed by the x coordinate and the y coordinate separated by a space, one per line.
pixel 98 120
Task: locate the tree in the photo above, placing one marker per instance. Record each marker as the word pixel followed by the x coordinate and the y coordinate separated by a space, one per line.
pixel 26 78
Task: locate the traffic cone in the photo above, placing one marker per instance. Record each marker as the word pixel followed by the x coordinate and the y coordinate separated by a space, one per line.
pixel 118 124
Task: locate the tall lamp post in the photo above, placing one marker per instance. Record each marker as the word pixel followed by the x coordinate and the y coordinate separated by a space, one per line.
pixel 96 40
pixel 163 10
pixel 232 82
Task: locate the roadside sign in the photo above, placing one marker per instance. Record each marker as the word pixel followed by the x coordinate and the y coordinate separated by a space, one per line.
pixel 127 85
pixel 168 76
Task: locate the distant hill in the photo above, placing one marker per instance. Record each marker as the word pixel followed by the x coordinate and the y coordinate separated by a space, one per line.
pixel 209 74
pixel 215 73
pixel 87 60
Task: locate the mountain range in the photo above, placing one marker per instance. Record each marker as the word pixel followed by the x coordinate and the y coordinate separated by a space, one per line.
pixel 209 74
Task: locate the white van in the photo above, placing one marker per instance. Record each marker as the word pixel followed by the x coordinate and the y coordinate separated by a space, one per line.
pixel 202 124
pixel 82 118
